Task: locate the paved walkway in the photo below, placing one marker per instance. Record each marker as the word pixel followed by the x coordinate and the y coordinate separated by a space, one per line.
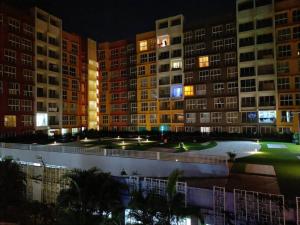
pixel 241 148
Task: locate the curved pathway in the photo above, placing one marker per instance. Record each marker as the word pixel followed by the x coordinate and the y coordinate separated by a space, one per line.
pixel 241 148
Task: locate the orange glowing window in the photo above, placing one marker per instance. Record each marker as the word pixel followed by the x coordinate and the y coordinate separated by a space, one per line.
pixel 203 61
pixel 143 46
pixel 189 90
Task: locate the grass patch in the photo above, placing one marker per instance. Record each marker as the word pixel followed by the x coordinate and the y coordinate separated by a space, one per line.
pixel 190 146
pixel 285 162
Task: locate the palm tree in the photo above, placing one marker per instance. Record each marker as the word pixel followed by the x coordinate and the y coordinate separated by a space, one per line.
pixel 12 189
pixel 152 208
pixel 91 197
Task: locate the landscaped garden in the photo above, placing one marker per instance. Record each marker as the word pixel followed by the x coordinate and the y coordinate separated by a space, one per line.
pixel 284 157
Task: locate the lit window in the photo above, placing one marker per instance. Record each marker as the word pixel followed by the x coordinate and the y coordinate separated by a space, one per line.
pixel 203 61
pixel 189 90
pixel 10 121
pixel 176 91
pixel 176 64
pixel 163 41
pixel 143 46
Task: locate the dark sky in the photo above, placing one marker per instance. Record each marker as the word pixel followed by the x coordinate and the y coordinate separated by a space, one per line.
pixel 108 20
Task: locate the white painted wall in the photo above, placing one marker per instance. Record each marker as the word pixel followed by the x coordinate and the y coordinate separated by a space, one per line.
pixel 114 165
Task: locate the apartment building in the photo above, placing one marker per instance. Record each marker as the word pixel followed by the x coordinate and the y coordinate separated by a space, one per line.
pixel 257 65
pixel 170 77
pixel 114 100
pixel 74 82
pixel 147 82
pixel 48 72
pixel 92 68
pixel 16 71
pixel 287 22
pixel 211 78
pixel 132 88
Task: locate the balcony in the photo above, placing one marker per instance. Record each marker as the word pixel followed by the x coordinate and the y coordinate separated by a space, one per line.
pixel 53 95
pixel 41 109
pixel 53 109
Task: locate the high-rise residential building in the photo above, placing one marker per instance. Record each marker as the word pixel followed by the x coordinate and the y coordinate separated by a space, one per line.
pixel 170 78
pixel 16 71
pixel 114 97
pixel 146 82
pixel 211 79
pixel 48 72
pixel 132 89
pixel 287 22
pixel 257 65
pixel 93 82
pixel 74 82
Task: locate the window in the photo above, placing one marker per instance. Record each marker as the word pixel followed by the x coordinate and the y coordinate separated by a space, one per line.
pixel 232 87
pixel 230 58
pixel 231 102
pixel 200 34
pixel 216 117
pixel 286 99
pixel 203 75
pixel 246 26
pixel 296 32
pixel 215 74
pixel 26 59
pixel 284 34
pixel 217 30
pixel 297 82
pixel 248 85
pixel 141 70
pixel 231 72
pixel 201 89
pixel 28 90
pixel 13 24
pixel 196 104
pixel 248 102
pixel 144 83
pixel 247 56
pixel 297 99
pixel 215 59
pixel 143 58
pixel 10 121
pixel 284 51
pixel 10 72
pixel 247 71
pixel 10 55
pixel 204 117
pixel 219 103
pixel 229 43
pixel 142 118
pixel 1 87
pixel 283 67
pixel 73 59
pixel 188 36
pixel 143 45
pixel 264 38
pixel 152 106
pixel 26 45
pixel 152 57
pixel 28 74
pixel 230 27
pixel 14 41
pixel 281 18
pixel 14 104
pixel 265 54
pixel 232 117
pixel 176 64
pixel 27 120
pixel 153 82
pixel 144 94
pixel 296 15
pixel 144 106
pixel 268 22
pixel 287 116
pixel 199 48
pixel 266 101
pixel 188 90
pixel 190 117
pixel 27 105
pixel 203 61
pixel 189 63
pixel 153 118
pixel 218 88
pixel 247 41
pixel 249 117
pixel 217 45
pixel 13 88
pixel 245 5
pixel 163 41
pixel 283 83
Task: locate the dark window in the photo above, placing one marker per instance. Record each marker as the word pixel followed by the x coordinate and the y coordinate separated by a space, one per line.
pixel 248 102
pixel 176 22
pixel 246 26
pixel 247 72
pixel 163 25
pixel 247 56
pixel 245 5
pixel 259 3
pixel 264 23
pixel 265 54
pixel 246 41
pixel 265 38
pixel 176 40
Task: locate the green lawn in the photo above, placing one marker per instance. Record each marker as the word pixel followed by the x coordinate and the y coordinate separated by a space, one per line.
pixel 190 146
pixel 285 162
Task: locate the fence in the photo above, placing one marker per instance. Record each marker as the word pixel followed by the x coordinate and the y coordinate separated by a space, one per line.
pixel 178 157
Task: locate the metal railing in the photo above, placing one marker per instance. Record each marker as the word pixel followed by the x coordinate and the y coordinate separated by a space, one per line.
pixel 100 151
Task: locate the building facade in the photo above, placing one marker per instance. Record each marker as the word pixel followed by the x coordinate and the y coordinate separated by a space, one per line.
pixel 74 85
pixel 287 23
pixel 257 65
pixel 211 79
pixel 170 77
pixel 48 72
pixel 146 82
pixel 16 72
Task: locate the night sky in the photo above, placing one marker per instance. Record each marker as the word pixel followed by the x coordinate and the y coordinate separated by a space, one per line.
pixel 109 20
